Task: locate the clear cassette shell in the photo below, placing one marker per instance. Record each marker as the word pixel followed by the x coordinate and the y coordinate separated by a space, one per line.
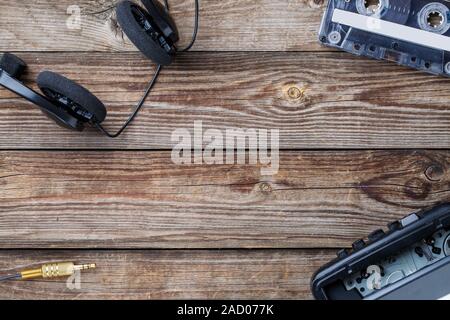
pixel 413 33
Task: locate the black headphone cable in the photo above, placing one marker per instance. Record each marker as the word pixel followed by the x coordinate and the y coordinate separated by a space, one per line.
pixel 137 109
pixel 10 277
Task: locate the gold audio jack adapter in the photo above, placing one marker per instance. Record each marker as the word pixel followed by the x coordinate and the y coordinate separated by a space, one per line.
pixel 49 270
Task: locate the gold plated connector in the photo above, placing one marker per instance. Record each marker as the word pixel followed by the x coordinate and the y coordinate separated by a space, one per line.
pixel 55 270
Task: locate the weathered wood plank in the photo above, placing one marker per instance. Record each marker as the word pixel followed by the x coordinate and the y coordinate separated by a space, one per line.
pixel 171 274
pixel 142 200
pixel 226 25
pixel 347 102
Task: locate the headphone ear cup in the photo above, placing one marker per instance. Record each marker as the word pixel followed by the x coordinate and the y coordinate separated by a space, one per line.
pixel 13 65
pixel 53 84
pixel 162 19
pixel 148 46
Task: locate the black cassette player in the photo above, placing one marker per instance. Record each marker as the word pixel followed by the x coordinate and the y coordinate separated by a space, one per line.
pixel 410 260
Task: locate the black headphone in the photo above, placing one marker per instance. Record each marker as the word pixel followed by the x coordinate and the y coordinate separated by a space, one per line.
pixel 150 29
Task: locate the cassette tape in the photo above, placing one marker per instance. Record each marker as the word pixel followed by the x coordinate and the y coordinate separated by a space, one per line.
pixel 413 33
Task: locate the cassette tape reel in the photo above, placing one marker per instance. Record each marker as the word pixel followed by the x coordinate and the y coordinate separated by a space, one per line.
pixel 414 33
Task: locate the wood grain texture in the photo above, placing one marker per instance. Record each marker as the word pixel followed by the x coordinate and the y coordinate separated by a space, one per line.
pixel 142 200
pixel 341 107
pixel 163 274
pixel 226 25
pixel 256 64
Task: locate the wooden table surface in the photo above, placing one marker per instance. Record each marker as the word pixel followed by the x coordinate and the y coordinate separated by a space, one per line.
pixel 367 143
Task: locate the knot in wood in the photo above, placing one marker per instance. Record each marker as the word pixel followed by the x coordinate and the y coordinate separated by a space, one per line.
pixel 434 173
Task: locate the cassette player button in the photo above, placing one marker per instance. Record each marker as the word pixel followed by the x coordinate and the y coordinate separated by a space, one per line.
pixel 409 220
pixel 395 226
pixel 358 245
pixel 376 235
pixel 342 254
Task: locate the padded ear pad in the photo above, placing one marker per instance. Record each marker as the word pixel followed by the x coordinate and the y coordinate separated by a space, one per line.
pixel 162 19
pixel 13 65
pixel 150 47
pixel 57 83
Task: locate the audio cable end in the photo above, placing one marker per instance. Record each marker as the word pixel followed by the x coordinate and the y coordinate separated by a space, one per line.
pixel 55 270
pixel 50 270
